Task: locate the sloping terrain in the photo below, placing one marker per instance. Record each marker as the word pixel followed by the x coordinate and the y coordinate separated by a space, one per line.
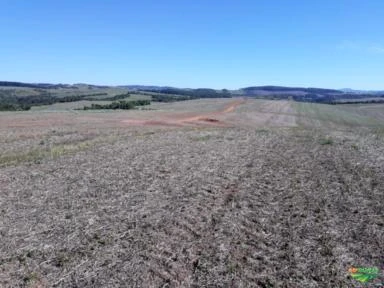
pixel 268 199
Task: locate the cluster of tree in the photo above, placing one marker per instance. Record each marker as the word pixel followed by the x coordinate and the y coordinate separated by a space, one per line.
pixel 117 97
pixel 338 99
pixel 13 103
pixel 169 98
pixel 13 107
pixel 17 103
pixel 361 95
pixel 370 101
pixel 75 98
pixel 125 105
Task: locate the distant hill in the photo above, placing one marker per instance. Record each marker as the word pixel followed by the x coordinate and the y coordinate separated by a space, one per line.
pixel 33 85
pixel 167 93
pixel 281 89
pixel 48 85
pixel 319 95
pixel 353 91
pixel 144 87
pixel 295 93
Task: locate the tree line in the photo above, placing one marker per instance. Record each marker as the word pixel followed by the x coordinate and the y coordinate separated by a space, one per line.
pixel 23 103
pixel 371 101
pixel 125 105
pixel 188 94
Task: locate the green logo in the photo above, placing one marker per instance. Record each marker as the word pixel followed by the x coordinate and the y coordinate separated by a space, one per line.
pixel 364 274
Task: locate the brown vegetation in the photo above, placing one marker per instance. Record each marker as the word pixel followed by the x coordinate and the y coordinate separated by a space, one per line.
pixel 246 194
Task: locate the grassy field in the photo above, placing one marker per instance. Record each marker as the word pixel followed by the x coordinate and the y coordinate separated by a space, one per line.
pixel 62 92
pixel 81 104
pixel 202 193
pixel 326 116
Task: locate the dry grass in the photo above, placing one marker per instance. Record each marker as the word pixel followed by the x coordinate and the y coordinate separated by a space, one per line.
pixel 247 205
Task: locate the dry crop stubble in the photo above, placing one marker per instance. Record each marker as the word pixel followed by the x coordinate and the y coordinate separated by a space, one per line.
pixel 247 205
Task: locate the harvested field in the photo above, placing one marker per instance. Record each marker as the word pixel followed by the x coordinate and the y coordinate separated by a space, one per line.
pixel 205 193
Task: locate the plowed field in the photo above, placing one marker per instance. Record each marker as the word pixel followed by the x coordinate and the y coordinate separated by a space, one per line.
pixel 205 193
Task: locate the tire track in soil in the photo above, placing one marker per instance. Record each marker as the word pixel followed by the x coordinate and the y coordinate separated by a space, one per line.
pixel 279 224
pixel 188 265
pixel 177 265
pixel 263 210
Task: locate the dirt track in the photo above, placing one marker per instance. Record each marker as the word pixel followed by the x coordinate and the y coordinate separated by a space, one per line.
pixel 207 112
pixel 242 112
pixel 180 120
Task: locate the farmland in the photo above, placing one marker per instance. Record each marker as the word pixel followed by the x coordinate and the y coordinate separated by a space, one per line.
pixel 232 192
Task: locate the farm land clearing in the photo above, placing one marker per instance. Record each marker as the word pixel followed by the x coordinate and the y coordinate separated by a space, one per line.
pixel 230 192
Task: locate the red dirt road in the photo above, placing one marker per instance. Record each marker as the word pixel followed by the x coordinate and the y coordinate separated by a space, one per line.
pixel 181 120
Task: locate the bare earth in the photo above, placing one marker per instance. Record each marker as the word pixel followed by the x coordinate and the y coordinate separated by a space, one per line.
pixel 206 193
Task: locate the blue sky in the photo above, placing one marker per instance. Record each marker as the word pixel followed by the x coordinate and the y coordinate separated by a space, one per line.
pixel 199 43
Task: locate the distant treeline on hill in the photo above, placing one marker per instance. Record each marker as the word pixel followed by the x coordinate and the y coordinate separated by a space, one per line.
pixel 169 98
pixel 188 94
pixel 18 103
pixel 125 105
pixel 339 99
pixel 46 85
pixel 34 85
pixel 250 90
pixel 46 94
pixel 368 101
pixel 13 107
pixel 316 95
pixel 326 99
pixel 75 98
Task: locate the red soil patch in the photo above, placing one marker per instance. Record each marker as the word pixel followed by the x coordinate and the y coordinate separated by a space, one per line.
pixel 135 122
pixel 176 120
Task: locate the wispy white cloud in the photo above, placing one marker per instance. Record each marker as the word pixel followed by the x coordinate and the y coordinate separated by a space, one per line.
pixel 356 46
